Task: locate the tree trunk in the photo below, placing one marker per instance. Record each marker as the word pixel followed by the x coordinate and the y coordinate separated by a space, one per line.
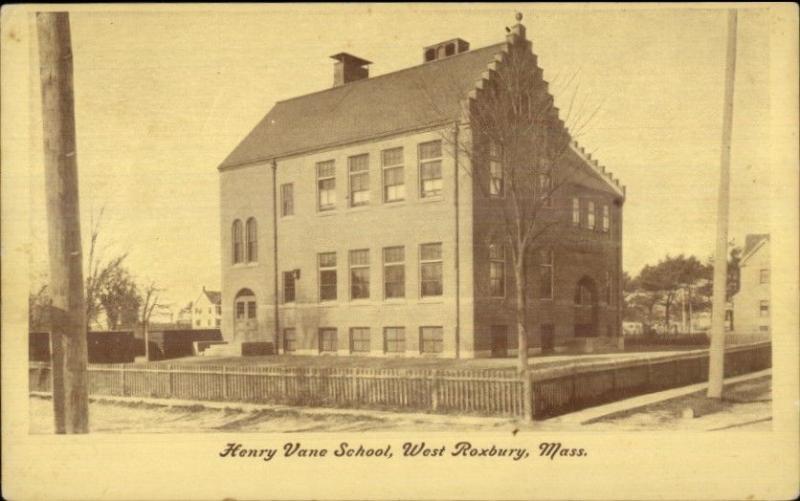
pixel 68 314
pixel 520 283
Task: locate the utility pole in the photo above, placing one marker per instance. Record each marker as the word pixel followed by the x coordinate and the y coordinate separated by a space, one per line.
pixel 716 352
pixel 68 329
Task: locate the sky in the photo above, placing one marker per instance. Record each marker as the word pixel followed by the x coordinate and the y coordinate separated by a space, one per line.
pixel 162 97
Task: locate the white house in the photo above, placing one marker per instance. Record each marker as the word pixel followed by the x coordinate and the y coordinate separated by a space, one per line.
pixel 206 310
pixel 751 305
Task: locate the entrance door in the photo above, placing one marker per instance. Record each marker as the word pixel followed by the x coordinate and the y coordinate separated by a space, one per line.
pixel 245 326
pixel 499 341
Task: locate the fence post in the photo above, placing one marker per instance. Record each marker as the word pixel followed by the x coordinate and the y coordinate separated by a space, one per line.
pixel 435 391
pixel 124 393
pixel 224 384
pixel 354 384
pixel 170 373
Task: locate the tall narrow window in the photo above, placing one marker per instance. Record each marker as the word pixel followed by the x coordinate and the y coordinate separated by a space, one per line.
pixel 237 241
pixel 326 185
pixel 359 274
pixel 546 274
pixel 430 263
pixel 430 339
pixel 497 270
pixel 359 340
pixel 590 215
pixel 764 276
pixel 287 199
pixel 289 340
pixel 763 308
pixel 495 171
pixel 576 211
pixel 327 276
pixel 608 287
pixel 606 219
pixel 327 340
pixel 252 240
pixel 394 272
pixel 394 183
pixel 430 169
pixel 358 166
pixel 288 287
pixel 394 339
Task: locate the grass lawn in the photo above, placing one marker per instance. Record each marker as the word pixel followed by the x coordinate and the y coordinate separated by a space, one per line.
pixel 302 361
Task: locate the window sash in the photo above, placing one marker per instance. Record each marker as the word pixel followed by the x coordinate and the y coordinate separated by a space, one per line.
pixel 394 188
pixel 251 309
pixel 287 199
pixel 763 276
pixel 289 340
pixel 606 219
pixel 359 340
pixel 545 188
pixel 431 339
pixel 240 312
pixel 237 241
pixel 576 211
pixel 327 194
pixel 431 149
pixel 495 178
pixel 392 157
pixel 546 274
pixel 497 279
pixel 763 308
pixel 327 340
pixel 394 339
pixel 590 215
pixel 288 287
pixel 327 276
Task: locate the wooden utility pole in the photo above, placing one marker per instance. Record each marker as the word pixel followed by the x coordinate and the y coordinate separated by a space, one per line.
pixel 716 352
pixel 68 329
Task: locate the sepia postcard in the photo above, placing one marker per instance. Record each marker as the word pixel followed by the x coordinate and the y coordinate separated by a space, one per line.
pixel 400 251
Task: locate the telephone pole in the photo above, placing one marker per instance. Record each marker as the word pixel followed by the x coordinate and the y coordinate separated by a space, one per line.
pixel 716 352
pixel 68 328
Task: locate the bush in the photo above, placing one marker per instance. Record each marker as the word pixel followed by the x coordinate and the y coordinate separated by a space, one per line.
pixel 254 349
pixel 699 340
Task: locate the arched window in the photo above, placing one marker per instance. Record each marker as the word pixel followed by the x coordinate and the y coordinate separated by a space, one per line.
pixel 237 241
pixel 252 240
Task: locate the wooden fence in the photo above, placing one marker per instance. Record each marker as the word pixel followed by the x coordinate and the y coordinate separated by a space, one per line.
pixel 496 392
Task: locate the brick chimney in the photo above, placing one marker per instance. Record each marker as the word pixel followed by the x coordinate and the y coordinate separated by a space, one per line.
pixel 349 68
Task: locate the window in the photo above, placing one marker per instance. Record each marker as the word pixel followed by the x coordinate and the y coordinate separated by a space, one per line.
pixel 288 287
pixel 327 340
pixel 394 339
pixel 608 287
pixel 546 274
pixel 252 240
pixel 583 295
pixel 198 322
pixel 326 185
pixel 576 212
pixel 497 270
pixel 430 339
pixel 219 310
pixel 289 340
pixel 449 49
pixel 394 187
pixel 590 215
pixel 545 189
pixel 763 328
pixel 209 322
pixel 359 180
pixel 327 276
pixel 287 199
pixel 209 311
pixel 764 276
pixel 239 311
pixel 764 308
pixel 430 55
pixel 359 340
pixel 606 219
pixel 219 322
pixel 251 309
pixel 430 169
pixel 359 274
pixel 394 272
pixel 237 241
pixel 430 265
pixel 495 171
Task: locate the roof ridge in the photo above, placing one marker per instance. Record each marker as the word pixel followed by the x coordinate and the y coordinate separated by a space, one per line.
pixel 350 85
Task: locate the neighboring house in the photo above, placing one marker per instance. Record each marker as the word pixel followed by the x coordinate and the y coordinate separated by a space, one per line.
pixel 349 226
pixel 206 310
pixel 185 316
pixel 751 305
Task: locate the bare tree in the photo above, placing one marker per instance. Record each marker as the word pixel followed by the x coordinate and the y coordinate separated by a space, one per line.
pixel 150 302
pixel 520 155
pixel 99 270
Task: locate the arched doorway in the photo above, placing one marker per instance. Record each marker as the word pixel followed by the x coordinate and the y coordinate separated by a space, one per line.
pixel 586 308
pixel 245 316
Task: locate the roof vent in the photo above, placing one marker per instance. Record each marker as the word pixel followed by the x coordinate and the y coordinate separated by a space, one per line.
pixel 444 49
pixel 349 68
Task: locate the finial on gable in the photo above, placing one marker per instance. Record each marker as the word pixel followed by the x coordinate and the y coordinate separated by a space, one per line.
pixel 516 32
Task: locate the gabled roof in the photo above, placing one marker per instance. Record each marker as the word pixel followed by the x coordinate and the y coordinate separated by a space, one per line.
pixel 214 296
pixel 752 244
pixel 413 98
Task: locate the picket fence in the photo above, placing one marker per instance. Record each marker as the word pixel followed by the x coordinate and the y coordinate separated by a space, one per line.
pixel 495 392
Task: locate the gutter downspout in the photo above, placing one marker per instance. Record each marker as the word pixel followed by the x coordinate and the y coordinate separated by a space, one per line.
pixel 458 251
pixel 275 251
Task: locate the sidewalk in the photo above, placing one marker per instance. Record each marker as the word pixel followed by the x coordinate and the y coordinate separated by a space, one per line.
pixel 593 414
